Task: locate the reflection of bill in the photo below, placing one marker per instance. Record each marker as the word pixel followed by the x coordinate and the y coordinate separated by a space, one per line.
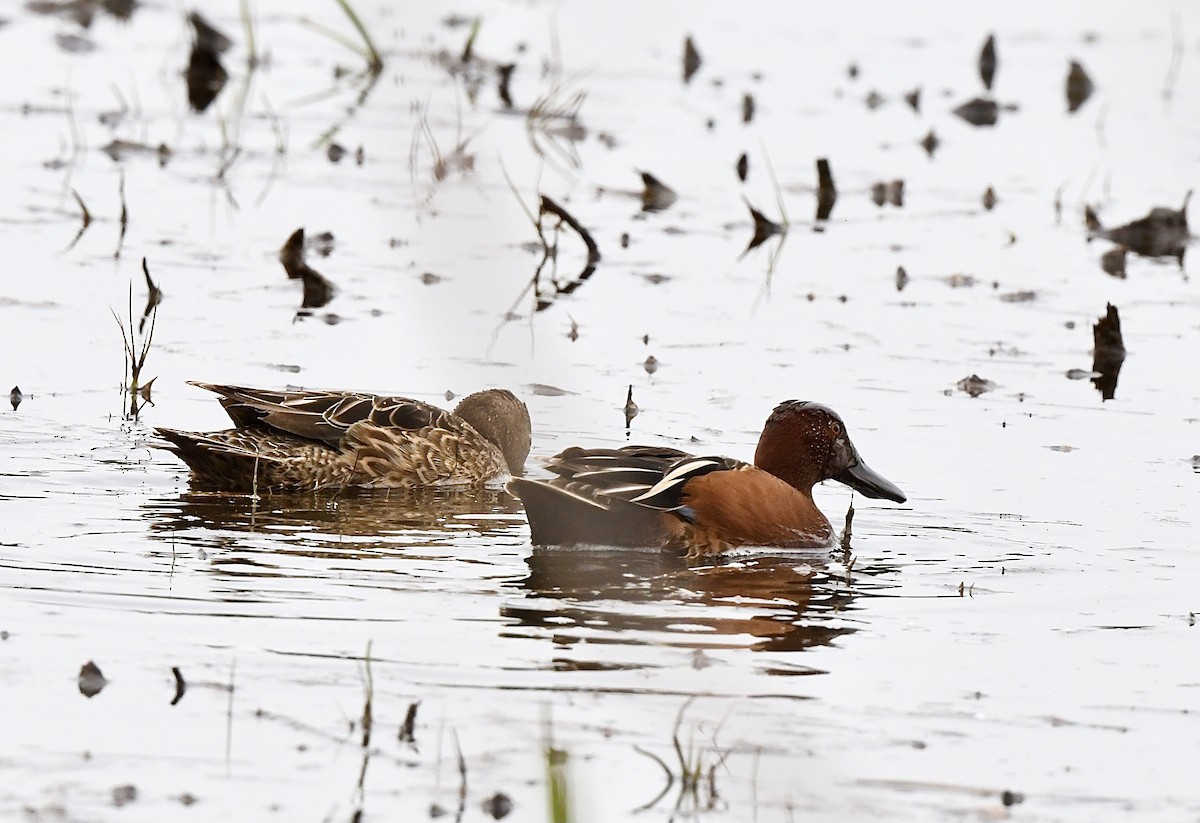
pixel 767 602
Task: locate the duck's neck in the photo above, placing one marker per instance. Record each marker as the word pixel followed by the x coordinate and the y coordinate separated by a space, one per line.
pixel 777 453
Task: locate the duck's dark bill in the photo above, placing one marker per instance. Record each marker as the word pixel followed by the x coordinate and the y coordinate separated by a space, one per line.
pixel 862 478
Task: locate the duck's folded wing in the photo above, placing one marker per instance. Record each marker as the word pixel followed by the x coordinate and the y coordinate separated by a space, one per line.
pixel 323 415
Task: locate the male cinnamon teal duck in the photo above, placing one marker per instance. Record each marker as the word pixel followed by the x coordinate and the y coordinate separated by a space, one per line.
pixel 652 496
pixel 317 439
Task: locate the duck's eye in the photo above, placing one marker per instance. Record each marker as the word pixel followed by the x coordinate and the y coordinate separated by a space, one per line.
pixel 835 428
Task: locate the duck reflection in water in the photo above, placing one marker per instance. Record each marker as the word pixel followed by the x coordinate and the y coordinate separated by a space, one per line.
pixel 356 521
pixel 780 601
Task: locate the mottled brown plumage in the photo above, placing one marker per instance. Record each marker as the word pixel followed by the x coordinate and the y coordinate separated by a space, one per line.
pixel 333 439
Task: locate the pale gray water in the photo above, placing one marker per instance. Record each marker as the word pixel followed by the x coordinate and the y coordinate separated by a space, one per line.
pixel 1064 669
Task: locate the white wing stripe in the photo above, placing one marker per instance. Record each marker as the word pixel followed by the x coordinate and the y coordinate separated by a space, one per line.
pixel 676 477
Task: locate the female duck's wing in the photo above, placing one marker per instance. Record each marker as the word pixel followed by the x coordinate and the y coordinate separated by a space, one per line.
pixel 326 416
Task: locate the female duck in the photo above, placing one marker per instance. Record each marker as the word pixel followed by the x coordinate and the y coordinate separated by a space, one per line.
pixel 651 496
pixel 292 440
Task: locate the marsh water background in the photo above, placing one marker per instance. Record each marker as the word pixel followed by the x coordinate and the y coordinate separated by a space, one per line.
pixel 1024 624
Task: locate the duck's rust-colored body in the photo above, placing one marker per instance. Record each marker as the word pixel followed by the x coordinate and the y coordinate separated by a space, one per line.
pixel 648 496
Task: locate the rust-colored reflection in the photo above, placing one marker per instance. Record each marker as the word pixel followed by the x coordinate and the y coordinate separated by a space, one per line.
pixel 781 602
pixel 325 519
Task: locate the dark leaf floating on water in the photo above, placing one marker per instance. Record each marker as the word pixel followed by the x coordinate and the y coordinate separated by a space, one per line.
pixel 747 107
pixel 498 806
pixel 901 278
pixel 979 111
pixel 335 152
pixel 154 296
pixel 651 364
pixel 913 98
pixel 743 167
pixel 205 75
pixel 1161 233
pixel 15 397
pixel 1079 87
pixel 1019 297
pixel 691 59
pixel 764 228
pixel 875 100
pixel 891 192
pixel 180 685
pixel 121 795
pixel 989 199
pixel 1108 352
pixel 631 409
pixel 504 75
pixel 987 62
pixel 120 149
pixel 826 192
pixel 317 290
pixel 1113 261
pixel 930 142
pixel 974 385
pixel 74 43
pixel 545 297
pixel 656 195
pixel 91 680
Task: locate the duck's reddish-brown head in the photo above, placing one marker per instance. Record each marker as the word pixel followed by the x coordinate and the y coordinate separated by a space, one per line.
pixel 804 443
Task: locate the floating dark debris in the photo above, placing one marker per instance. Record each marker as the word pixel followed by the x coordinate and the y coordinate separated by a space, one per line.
pixel 656 195
pixel 989 199
pixel 979 111
pixel 631 409
pixel 650 364
pixel 1079 87
pixel 1113 261
pixel 961 281
pixel 317 290
pixel 544 298
pixel 930 142
pixel 91 679
pixel 154 296
pixel 1108 352
pixel 852 71
pixel 335 152
pixel 74 43
pixel 826 190
pixel 875 100
pixel 1019 297
pixel 209 35
pixel 743 167
pixel 747 107
pixel 901 278
pixel 409 727
pixel 498 806
pixel 1161 233
pixel 180 685
pixel 913 98
pixel 974 385
pixel 124 794
pixel 504 75
pixel 120 149
pixel 987 62
pixel 691 59
pixel 205 75
pixel 891 192
pixel 764 228
pixel 15 397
